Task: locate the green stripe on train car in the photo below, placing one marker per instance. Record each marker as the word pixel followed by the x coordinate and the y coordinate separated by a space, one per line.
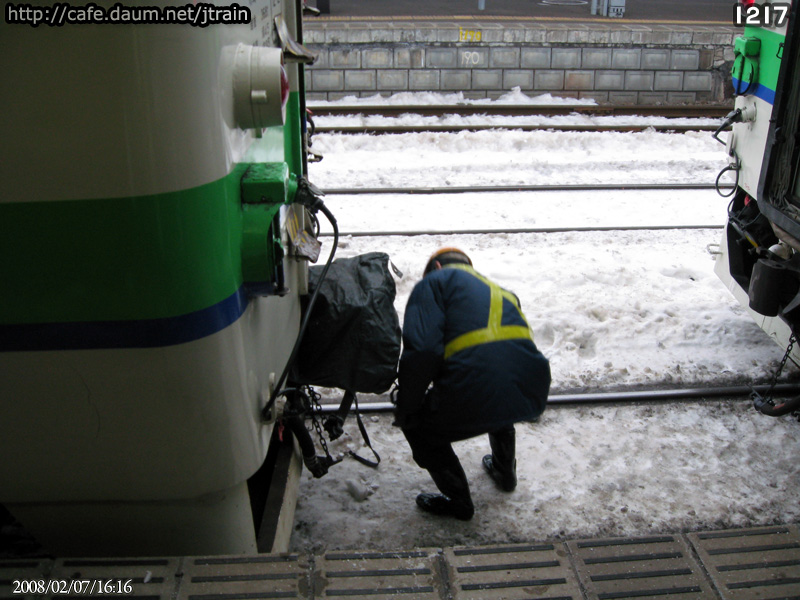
pixel 293 143
pixel 142 257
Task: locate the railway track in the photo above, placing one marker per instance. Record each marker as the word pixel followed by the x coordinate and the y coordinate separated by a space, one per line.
pixel 577 128
pixel 575 229
pixel 593 187
pixel 687 394
pixel 526 110
pixel 574 128
pixel 547 113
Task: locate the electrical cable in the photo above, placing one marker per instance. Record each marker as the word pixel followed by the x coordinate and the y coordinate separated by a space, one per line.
pixel 732 117
pixel 733 168
pixel 735 116
pixel 735 218
pixel 751 83
pixel 307 196
pixel 730 209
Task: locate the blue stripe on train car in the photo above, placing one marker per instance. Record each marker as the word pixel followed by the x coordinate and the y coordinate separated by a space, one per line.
pixel 148 333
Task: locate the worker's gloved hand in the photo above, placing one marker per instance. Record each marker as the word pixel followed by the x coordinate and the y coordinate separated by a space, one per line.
pixel 334 426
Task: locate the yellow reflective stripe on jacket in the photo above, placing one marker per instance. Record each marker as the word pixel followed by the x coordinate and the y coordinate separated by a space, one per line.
pixel 495 331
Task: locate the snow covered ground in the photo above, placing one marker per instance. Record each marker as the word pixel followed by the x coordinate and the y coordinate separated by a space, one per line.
pixel 515 158
pixel 610 309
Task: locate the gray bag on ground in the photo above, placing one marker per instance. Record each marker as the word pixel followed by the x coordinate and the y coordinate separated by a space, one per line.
pixel 353 336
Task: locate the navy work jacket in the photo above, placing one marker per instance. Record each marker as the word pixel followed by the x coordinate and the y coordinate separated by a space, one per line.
pixel 485 375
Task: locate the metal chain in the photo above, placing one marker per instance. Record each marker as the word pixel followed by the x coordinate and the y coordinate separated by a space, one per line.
pixel 316 409
pixel 768 393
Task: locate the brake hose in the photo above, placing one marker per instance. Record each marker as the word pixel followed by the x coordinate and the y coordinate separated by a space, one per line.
pixel 735 116
pixel 308 196
pixel 764 406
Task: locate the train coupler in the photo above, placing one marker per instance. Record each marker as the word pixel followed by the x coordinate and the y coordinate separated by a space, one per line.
pixel 767 406
pixel 765 403
pixel 303 402
pixel 319 465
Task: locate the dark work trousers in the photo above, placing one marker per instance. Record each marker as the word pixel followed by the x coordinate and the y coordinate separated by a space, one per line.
pixel 433 450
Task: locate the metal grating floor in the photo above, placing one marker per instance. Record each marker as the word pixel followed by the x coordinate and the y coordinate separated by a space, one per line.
pixel 660 566
pixel 378 575
pixel 761 563
pixel 499 572
pixel 261 576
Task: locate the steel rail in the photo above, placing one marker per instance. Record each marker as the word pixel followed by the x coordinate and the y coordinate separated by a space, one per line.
pixel 499 109
pixel 564 128
pixel 586 229
pixel 667 395
pixel 589 187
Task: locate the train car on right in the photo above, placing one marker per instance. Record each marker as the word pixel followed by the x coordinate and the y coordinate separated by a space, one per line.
pixel 759 257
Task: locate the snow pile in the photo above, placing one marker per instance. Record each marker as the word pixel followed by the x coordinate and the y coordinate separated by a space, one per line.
pixel 515 158
pixel 583 472
pixel 515 211
pixel 610 309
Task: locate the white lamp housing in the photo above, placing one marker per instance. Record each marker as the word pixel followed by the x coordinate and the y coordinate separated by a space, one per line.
pixel 260 87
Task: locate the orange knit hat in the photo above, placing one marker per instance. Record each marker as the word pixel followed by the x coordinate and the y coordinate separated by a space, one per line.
pixel 445 256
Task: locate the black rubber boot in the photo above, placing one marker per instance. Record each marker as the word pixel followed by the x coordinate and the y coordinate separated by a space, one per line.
pixel 454 501
pixel 501 464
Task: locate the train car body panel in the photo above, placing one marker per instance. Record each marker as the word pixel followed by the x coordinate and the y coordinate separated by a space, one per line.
pixel 749 138
pixel 147 303
pixel 774 327
pixel 753 251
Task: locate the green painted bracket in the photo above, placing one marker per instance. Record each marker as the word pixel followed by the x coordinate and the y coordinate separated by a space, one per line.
pixel 747 46
pixel 745 63
pixel 267 183
pixel 265 187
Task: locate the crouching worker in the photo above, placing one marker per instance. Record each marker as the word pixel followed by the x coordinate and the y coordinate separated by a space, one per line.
pixel 468 337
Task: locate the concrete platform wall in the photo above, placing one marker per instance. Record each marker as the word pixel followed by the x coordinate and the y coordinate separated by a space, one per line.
pixel 609 61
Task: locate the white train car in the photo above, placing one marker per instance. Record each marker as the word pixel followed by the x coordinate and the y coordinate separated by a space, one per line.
pixel 150 295
pixel 760 250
